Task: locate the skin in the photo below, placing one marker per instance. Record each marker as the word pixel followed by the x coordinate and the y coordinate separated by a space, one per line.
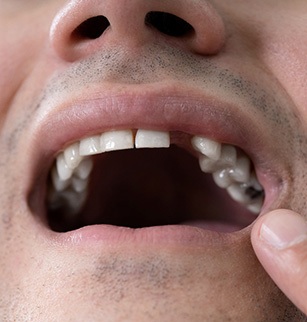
pixel 253 59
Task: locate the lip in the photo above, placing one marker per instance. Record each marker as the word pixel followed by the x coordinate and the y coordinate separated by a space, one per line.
pixel 166 108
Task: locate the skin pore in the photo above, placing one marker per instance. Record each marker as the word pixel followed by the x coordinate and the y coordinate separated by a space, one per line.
pixel 238 78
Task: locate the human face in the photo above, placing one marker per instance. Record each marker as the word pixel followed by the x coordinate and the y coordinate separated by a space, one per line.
pixel 233 72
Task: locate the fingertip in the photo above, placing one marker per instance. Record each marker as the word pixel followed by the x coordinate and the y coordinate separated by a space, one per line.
pixel 280 229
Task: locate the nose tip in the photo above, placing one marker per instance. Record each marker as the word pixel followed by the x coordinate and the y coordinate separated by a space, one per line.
pixel 84 27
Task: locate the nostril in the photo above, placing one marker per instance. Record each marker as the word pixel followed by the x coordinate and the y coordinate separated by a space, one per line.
pixel 168 24
pixel 91 28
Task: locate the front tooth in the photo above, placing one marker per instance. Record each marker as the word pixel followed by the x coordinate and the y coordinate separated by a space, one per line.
pixel 207 147
pixel 152 139
pixel 72 156
pixel 90 146
pixel 116 140
pixel 64 171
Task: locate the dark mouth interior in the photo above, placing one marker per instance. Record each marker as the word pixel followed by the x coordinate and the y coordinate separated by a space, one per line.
pixel 151 187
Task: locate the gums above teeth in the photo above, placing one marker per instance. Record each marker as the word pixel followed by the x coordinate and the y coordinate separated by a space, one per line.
pixel 230 167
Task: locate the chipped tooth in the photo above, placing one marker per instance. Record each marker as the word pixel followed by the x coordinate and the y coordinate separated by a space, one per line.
pixel 207 147
pixel 64 171
pixel 90 146
pixel 84 169
pixel 241 171
pixel 72 156
pixel 78 184
pixel 58 184
pixel 152 139
pixel 116 140
pixel 222 178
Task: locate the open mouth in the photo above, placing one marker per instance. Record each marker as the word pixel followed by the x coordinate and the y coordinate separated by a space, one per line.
pixel 142 178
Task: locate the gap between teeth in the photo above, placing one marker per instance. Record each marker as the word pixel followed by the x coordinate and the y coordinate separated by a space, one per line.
pixel 229 166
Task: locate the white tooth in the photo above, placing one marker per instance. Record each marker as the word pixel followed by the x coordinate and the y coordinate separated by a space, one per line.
pixel 237 193
pixel 241 171
pixel 58 184
pixel 207 147
pixel 208 165
pixel 73 200
pixel 116 140
pixel 222 178
pixel 152 139
pixel 256 207
pixel 90 146
pixel 228 157
pixel 84 169
pixel 64 171
pixel 72 156
pixel 254 183
pixel 78 184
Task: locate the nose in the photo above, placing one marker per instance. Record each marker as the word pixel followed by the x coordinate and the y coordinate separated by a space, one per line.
pixel 84 27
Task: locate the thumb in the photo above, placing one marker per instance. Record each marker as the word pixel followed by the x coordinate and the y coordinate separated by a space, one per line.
pixel 279 239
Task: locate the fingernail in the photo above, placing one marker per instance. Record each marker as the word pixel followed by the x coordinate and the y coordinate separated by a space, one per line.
pixel 282 229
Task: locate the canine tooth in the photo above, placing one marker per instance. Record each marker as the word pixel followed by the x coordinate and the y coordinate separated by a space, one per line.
pixel 241 171
pixel 90 146
pixel 72 156
pixel 116 140
pixel 58 184
pixel 84 169
pixel 78 184
pixel 207 147
pixel 152 139
pixel 222 178
pixel 64 171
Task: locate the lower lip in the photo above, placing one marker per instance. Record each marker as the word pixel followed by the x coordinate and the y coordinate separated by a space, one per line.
pixel 176 235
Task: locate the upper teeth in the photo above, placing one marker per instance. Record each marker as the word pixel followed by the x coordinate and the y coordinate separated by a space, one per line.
pixel 230 167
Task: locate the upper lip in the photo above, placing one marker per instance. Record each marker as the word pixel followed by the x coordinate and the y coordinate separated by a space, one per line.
pixel 162 107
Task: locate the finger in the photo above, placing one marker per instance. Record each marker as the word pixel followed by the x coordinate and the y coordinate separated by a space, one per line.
pixel 279 239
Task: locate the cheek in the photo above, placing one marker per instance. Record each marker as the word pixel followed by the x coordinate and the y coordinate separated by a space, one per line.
pixel 23 37
pixel 285 56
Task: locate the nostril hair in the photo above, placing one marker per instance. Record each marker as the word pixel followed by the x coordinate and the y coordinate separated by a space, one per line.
pixel 91 28
pixel 168 24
